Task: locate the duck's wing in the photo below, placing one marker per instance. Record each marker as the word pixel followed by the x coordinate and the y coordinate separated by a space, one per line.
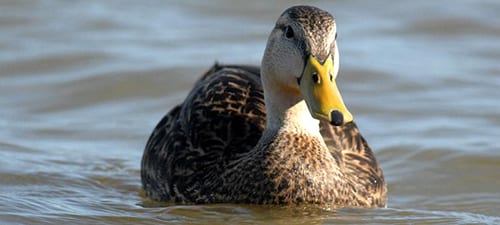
pixel 223 116
pixel 360 166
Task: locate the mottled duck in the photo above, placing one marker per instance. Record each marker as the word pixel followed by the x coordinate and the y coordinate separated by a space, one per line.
pixel 278 134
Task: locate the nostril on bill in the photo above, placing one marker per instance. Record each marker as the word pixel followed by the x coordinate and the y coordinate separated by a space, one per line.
pixel 315 78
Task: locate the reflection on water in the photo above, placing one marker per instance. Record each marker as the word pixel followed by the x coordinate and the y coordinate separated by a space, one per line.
pixel 82 84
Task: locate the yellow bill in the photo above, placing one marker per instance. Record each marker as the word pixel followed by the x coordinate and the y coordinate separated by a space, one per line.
pixel 321 93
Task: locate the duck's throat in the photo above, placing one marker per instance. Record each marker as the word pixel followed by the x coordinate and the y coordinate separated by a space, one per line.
pixel 289 112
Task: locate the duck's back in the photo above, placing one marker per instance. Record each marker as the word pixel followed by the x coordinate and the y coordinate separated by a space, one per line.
pixel 222 117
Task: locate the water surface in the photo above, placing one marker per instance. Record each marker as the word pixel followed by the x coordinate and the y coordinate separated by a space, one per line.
pixel 83 83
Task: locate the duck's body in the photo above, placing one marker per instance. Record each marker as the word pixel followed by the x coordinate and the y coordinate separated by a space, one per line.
pixel 227 143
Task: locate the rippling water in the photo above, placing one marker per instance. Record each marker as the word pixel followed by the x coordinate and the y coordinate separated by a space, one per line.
pixel 83 83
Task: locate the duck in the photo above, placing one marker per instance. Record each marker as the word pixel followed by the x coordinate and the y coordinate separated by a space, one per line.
pixel 277 134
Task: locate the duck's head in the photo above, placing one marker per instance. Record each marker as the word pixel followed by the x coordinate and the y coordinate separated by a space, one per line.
pixel 301 58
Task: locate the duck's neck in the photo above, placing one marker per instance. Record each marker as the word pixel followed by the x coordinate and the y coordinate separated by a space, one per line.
pixel 288 112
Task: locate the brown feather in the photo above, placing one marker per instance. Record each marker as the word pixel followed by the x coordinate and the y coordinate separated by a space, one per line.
pixel 213 147
pixel 200 152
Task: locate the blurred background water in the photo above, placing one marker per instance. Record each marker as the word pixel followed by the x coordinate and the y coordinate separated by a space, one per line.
pixel 83 83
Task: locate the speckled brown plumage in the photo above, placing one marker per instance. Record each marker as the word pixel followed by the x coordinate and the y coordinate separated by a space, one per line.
pixel 199 152
pixel 214 148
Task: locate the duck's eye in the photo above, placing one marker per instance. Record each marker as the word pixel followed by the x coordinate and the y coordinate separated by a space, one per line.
pixel 289 32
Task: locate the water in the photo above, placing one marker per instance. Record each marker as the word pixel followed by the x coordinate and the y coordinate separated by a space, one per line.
pixel 83 83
